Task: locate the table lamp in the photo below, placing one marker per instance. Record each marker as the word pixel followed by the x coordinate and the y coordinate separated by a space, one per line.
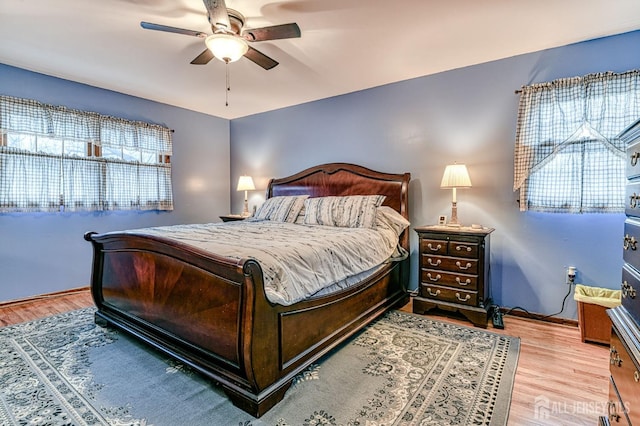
pixel 455 176
pixel 245 183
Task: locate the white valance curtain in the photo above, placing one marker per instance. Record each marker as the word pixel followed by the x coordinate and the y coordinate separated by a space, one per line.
pixel 54 158
pixel 567 155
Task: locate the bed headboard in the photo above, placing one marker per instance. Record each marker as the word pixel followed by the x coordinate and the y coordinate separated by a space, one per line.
pixel 345 179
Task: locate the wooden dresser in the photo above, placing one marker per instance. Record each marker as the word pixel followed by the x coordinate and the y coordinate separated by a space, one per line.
pixel 623 407
pixel 454 271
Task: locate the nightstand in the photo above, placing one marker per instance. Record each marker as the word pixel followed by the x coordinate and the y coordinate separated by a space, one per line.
pixel 232 217
pixel 454 271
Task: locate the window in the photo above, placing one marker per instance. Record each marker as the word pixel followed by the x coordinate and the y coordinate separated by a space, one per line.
pixel 54 158
pixel 568 157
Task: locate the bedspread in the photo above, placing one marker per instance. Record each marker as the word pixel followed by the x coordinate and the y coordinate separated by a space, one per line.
pixel 297 260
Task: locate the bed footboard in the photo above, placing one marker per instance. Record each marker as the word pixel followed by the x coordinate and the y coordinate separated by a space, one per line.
pixel 212 314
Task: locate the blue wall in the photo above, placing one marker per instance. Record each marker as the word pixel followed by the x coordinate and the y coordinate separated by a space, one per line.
pixel 466 115
pixel 43 253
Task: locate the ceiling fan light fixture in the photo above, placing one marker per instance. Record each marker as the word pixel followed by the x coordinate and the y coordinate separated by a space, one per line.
pixel 226 47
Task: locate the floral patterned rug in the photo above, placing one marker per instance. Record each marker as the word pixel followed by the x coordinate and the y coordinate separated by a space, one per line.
pixel 403 369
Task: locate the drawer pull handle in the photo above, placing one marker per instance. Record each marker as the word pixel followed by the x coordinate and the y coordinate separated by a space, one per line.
pixel 630 243
pixel 612 411
pixel 466 282
pixel 436 248
pixel 614 357
pixel 467 266
pixel 462 247
pixel 432 263
pixel 636 376
pixel 436 278
pixel 466 298
pixel 616 360
pixel 437 293
pixel 628 290
pixel 634 158
pixel 633 201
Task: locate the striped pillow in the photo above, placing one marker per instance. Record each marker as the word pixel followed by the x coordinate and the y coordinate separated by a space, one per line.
pixel 352 211
pixel 282 208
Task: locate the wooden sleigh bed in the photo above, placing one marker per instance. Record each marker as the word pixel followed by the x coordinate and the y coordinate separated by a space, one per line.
pixel 211 313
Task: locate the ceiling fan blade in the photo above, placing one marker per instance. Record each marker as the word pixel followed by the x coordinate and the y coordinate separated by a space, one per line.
pixel 218 14
pixel 158 27
pixel 275 32
pixel 260 58
pixel 203 58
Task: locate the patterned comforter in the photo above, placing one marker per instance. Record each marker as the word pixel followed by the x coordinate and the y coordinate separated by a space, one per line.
pixel 298 261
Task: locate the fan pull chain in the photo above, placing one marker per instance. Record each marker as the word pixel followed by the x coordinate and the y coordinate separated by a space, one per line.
pixel 226 92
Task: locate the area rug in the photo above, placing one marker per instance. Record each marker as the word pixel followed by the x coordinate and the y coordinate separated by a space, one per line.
pixel 403 369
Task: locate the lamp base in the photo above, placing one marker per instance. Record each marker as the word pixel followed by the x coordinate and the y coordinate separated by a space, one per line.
pixel 245 211
pixel 454 216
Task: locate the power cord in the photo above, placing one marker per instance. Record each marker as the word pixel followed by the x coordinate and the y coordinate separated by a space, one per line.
pixel 563 302
pixel 529 314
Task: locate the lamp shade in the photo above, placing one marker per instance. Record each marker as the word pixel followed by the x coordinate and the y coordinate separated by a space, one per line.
pixel 455 176
pixel 245 183
pixel 226 47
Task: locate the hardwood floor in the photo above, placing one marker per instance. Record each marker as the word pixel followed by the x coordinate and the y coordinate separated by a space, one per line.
pixel 43 306
pixel 559 380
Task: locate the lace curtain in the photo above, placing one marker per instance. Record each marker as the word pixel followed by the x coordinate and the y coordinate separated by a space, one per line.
pixel 568 158
pixel 53 158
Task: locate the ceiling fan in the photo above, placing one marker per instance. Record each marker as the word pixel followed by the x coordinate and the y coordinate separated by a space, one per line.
pixel 229 40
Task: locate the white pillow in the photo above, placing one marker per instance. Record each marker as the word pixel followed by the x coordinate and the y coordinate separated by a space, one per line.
pixel 352 211
pixel 283 208
pixel 388 217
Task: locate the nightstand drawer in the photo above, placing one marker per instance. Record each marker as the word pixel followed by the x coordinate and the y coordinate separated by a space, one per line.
pixel 625 375
pixel 616 411
pixel 431 276
pixel 633 160
pixel 460 249
pixel 631 292
pixel 631 243
pixel 449 294
pixel 451 248
pixel 632 207
pixel 433 246
pixel 453 264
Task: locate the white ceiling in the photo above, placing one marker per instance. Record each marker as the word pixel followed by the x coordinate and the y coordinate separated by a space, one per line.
pixel 346 45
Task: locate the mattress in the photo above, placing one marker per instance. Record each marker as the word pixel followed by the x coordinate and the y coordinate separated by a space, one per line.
pixel 298 261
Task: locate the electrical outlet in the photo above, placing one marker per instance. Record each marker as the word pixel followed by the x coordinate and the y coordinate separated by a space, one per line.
pixel 571 275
